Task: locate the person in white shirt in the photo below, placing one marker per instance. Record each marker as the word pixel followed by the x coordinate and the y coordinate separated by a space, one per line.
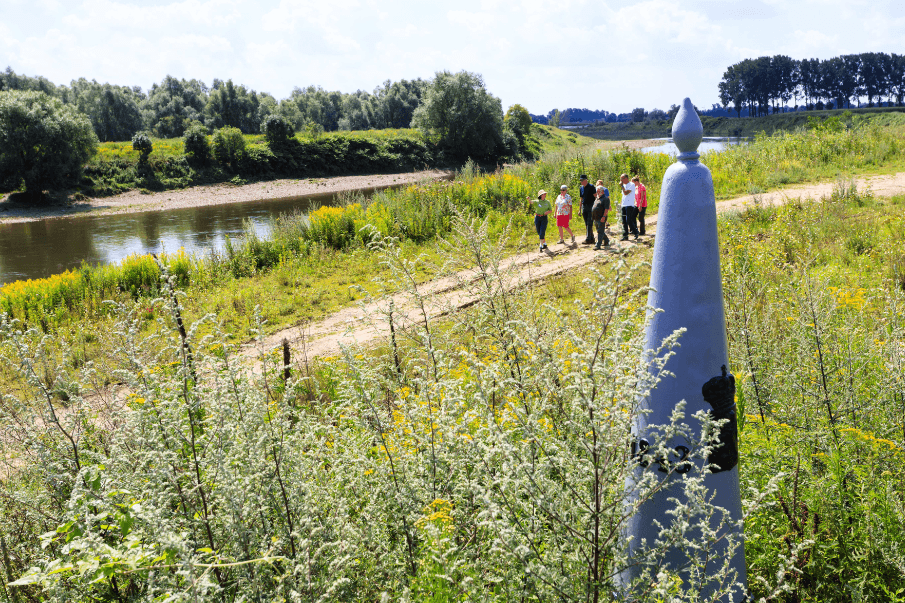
pixel 564 213
pixel 629 210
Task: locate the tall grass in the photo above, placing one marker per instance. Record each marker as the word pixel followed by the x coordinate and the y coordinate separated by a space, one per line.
pixel 422 212
pixel 486 461
pixel 816 321
pixel 481 457
pixel 784 158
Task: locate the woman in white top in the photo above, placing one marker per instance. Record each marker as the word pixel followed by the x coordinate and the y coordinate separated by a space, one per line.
pixel 564 213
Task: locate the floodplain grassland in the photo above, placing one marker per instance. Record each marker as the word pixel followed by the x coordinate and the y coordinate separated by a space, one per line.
pixel 745 127
pixel 116 169
pixel 460 461
pixel 299 266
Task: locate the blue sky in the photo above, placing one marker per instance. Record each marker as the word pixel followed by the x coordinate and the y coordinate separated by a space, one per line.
pixel 571 53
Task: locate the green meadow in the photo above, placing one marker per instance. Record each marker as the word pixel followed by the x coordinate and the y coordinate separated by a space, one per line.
pixel 482 456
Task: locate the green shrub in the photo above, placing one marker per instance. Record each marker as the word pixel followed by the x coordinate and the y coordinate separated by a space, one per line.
pixel 197 146
pixel 43 142
pixel 256 161
pixel 228 147
pixel 141 142
pixel 276 129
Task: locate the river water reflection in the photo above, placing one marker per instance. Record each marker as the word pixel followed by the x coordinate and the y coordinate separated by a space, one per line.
pixel 38 249
pixel 709 143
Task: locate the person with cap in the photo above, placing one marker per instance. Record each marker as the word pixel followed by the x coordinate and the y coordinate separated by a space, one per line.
pixel 564 213
pixel 629 211
pixel 588 195
pixel 599 213
pixel 541 208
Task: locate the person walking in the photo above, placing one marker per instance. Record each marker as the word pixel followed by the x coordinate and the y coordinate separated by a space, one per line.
pixel 588 195
pixel 629 211
pixel 606 192
pixel 564 213
pixel 599 212
pixel 640 202
pixel 541 208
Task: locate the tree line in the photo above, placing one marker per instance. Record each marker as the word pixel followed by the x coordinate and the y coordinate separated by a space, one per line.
pixel 174 105
pixel 767 84
pixel 49 133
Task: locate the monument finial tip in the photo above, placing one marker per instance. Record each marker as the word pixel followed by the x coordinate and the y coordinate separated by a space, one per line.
pixel 687 130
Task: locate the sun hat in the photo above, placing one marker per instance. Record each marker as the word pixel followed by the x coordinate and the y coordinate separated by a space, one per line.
pixel 541 193
pixel 563 187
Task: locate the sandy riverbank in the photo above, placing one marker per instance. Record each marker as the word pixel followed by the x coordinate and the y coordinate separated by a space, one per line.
pixel 217 194
pixel 213 194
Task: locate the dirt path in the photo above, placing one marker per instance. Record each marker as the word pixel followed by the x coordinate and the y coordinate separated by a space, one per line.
pixel 881 186
pixel 363 325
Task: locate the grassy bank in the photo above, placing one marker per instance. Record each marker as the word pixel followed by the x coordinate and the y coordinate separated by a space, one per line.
pixel 116 166
pixel 417 215
pixel 745 126
pixel 466 466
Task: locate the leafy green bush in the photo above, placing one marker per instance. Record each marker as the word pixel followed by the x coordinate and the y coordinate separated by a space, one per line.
pixel 197 147
pixel 141 142
pixel 228 147
pixel 257 161
pixel 43 143
pixel 277 131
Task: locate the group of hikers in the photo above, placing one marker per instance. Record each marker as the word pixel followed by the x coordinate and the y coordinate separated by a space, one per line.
pixel 595 209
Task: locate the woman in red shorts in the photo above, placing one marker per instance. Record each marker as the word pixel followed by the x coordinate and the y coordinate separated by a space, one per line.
pixel 564 213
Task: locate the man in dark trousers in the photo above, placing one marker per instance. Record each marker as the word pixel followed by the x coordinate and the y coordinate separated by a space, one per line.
pixel 629 209
pixel 588 194
pixel 599 213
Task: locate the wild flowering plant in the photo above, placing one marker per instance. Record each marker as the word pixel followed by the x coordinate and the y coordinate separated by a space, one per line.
pixel 484 457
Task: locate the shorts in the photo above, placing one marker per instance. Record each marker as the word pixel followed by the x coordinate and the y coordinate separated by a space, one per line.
pixel 563 220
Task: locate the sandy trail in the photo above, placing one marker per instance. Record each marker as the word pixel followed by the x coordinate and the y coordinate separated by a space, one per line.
pixel 363 325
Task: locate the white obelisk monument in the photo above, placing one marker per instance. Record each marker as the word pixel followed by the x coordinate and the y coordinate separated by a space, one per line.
pixel 685 283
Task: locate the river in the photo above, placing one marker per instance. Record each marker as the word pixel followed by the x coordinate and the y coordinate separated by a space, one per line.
pixel 709 143
pixel 30 250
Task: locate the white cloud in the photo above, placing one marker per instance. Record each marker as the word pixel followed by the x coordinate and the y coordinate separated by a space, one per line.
pixel 109 15
pixel 578 53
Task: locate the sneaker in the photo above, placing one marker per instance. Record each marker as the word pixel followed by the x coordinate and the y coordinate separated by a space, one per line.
pixel 636 237
pixel 545 246
pixel 540 249
pixel 561 242
pixel 573 240
pixel 596 247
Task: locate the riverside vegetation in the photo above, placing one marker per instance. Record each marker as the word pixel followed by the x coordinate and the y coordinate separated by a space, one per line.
pixel 486 458
pixel 748 127
pixel 418 214
pixel 456 118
